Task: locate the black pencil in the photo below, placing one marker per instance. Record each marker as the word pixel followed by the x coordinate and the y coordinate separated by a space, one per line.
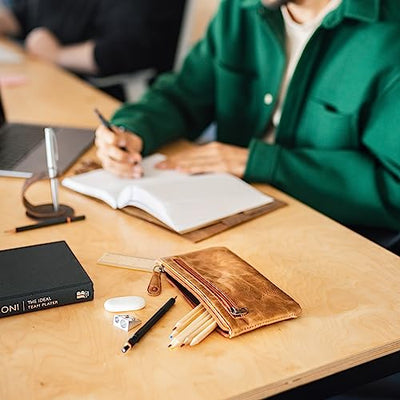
pixel 47 222
pixel 145 328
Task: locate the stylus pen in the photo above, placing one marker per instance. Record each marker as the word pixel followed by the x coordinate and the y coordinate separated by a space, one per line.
pixel 47 222
pixel 52 158
pixel 146 327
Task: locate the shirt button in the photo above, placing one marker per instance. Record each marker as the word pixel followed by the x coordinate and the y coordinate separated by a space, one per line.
pixel 268 99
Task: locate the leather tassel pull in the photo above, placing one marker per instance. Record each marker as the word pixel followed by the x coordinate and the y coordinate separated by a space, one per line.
pixel 154 288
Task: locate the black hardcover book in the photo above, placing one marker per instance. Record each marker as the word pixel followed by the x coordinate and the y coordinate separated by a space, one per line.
pixel 37 277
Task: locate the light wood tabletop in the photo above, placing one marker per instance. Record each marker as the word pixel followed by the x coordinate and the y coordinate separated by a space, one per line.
pixel 348 287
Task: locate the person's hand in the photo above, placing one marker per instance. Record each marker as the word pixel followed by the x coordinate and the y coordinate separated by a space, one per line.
pixel 44 44
pixel 211 157
pixel 119 151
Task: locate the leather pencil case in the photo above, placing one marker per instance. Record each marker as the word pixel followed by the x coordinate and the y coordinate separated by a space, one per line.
pixel 238 297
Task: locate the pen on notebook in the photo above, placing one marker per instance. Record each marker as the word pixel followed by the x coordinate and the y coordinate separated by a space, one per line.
pixel 146 327
pixel 52 157
pixel 47 222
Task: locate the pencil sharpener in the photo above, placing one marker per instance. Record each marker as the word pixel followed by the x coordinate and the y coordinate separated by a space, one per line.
pixel 125 322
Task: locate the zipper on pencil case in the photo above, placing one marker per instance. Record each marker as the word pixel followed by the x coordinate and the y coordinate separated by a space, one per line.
pixel 225 300
pixel 229 305
pixel 176 280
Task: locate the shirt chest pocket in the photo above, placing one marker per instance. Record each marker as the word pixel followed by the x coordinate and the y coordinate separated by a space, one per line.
pixel 323 126
pixel 235 88
pixel 240 109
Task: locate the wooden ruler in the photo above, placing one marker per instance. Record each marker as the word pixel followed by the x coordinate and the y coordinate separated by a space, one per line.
pixel 124 261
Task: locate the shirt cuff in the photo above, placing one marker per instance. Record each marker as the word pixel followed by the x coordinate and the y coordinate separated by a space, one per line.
pixel 261 162
pixel 138 128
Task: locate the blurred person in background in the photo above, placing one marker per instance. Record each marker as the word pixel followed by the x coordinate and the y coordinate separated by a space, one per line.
pixel 97 37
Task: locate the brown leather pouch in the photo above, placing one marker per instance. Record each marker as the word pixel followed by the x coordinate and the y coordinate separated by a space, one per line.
pixel 238 297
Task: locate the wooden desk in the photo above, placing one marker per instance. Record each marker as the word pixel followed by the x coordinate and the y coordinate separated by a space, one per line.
pixel 348 287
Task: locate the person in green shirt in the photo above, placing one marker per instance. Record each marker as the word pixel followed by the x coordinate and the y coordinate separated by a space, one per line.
pixel 305 96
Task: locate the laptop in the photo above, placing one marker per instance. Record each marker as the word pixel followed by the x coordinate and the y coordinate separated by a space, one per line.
pixel 23 151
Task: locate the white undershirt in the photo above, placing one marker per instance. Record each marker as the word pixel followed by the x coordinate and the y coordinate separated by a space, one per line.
pixel 297 36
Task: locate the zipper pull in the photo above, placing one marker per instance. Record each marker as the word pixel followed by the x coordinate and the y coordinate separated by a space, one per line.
pixel 154 288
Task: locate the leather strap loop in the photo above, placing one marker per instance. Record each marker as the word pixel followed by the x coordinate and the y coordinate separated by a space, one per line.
pixel 42 211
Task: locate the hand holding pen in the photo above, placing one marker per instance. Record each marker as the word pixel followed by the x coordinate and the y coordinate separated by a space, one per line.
pixel 118 150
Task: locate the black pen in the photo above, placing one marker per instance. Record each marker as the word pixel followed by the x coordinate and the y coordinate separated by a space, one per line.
pixel 146 327
pixel 104 121
pixel 107 124
pixel 47 222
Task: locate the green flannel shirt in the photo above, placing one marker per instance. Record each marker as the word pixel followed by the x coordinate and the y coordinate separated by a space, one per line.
pixel 338 143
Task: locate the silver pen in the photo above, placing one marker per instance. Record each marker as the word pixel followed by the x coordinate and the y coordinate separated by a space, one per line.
pixel 52 157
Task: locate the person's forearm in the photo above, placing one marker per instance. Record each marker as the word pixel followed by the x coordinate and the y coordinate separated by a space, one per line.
pixel 78 58
pixel 348 185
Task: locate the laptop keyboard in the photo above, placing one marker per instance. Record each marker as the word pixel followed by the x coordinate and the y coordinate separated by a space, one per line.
pixel 15 143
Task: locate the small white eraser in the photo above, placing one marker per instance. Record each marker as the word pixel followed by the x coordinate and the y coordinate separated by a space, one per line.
pixel 126 303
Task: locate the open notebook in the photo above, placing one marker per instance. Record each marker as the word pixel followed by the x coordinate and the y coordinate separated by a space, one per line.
pixel 183 203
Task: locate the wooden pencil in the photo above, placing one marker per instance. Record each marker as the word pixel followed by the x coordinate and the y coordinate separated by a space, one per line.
pixel 187 316
pixel 178 340
pixel 191 336
pixel 181 327
pixel 202 335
